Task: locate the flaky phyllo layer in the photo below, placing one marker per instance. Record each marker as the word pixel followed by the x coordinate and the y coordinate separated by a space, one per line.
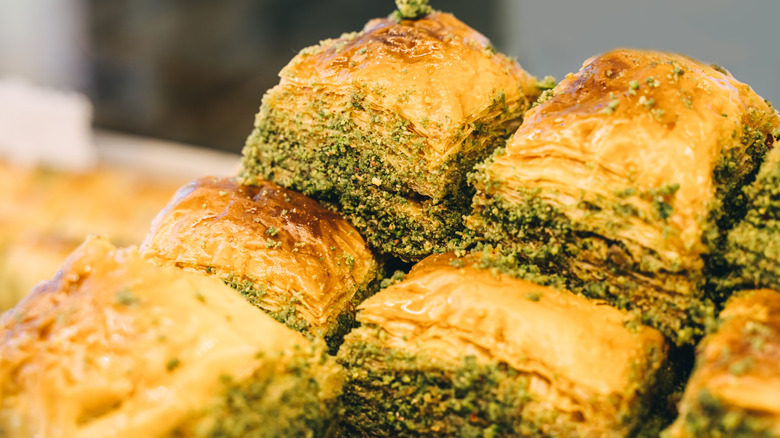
pixel 116 346
pixel 385 123
pixel 304 265
pixel 457 347
pixel 624 177
pixel 734 388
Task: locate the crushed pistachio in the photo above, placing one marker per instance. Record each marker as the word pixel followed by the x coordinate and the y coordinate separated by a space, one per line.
pixel 647 103
pixel 172 364
pixel 544 97
pixel 632 87
pixel 547 83
pixel 612 105
pixel 411 9
pixel 652 82
pixel 126 297
pixel 533 296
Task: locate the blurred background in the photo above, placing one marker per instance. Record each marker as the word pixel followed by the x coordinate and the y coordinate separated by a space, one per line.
pixel 194 71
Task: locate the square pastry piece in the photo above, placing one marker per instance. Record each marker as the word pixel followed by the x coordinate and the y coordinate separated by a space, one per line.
pixel 114 346
pixel 384 124
pixel 304 265
pixel 623 179
pixel 735 388
pixel 458 350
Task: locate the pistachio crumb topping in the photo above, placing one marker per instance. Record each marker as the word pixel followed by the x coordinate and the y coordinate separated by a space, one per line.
pixel 632 87
pixel 411 9
pixel 547 83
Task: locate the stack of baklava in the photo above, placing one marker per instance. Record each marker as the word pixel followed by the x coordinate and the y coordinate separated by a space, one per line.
pixel 455 249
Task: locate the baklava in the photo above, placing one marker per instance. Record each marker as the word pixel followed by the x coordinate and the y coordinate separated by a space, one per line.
pixel 455 349
pixel 116 346
pixel 285 253
pixel 624 178
pixel 384 124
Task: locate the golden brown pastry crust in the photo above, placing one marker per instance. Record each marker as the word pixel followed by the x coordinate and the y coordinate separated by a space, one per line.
pixel 294 251
pixel 736 383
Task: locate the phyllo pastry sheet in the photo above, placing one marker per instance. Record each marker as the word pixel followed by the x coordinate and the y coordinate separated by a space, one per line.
pixel 458 350
pixel 625 177
pixel 384 124
pixel 734 390
pixel 304 265
pixel 116 346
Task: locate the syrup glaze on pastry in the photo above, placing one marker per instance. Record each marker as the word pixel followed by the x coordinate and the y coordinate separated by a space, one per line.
pixel 305 265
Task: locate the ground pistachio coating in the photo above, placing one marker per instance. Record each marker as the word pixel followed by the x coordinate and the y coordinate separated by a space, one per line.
pixel 455 349
pixel 752 255
pixel 625 179
pixel 383 125
pixel 412 9
pixel 287 388
pixel 393 393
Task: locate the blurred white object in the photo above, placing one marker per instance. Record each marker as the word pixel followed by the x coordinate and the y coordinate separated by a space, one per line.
pixel 163 158
pixel 41 126
pixel 45 41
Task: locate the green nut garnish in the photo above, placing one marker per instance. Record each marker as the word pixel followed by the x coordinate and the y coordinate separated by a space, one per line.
pixel 412 9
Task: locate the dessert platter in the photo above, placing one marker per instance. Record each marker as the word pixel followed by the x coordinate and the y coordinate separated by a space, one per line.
pixel 423 239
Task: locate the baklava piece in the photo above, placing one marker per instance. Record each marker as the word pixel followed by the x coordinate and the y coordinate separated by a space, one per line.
pixel 458 350
pixel 384 124
pixel 116 346
pixel 285 253
pixel 624 178
pixel 735 388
